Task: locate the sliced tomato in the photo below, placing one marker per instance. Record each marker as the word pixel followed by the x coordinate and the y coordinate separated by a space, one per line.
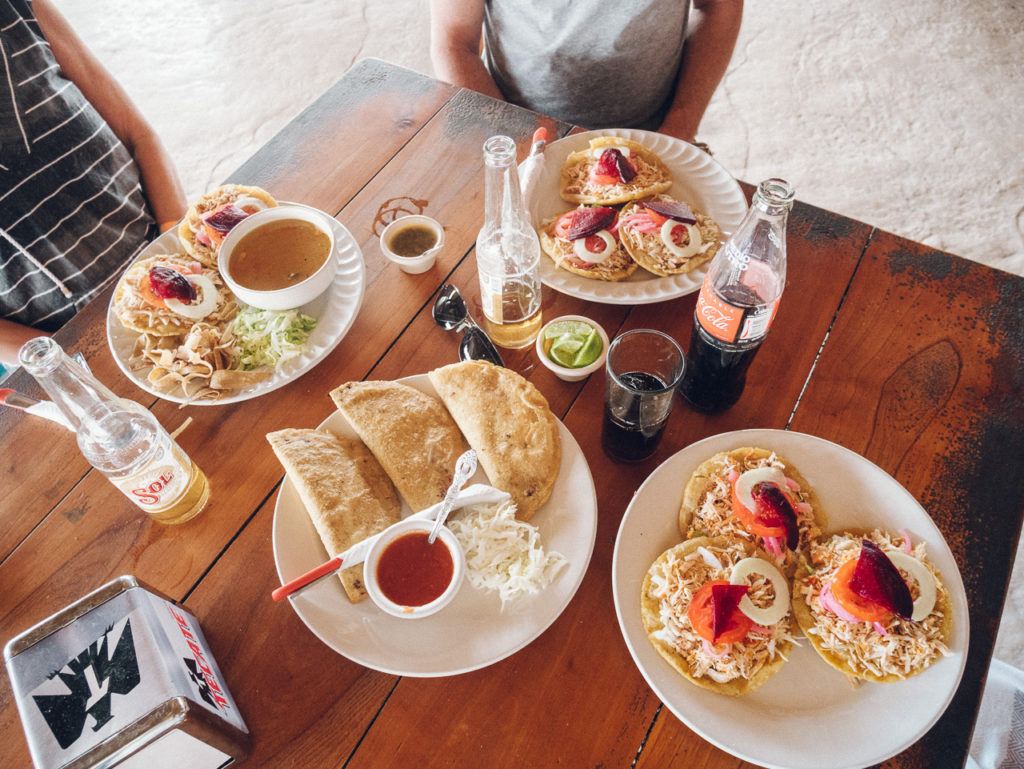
pixel 702 617
pixel 750 520
pixel 597 178
pixel 857 605
pixel 594 244
pixel 563 223
pixel 680 235
pixel 148 295
pixel 657 218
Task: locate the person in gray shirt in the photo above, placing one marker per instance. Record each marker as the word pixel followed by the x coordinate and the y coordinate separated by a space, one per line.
pixel 594 63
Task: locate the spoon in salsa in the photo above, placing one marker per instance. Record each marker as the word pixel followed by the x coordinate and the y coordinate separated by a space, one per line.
pixel 465 466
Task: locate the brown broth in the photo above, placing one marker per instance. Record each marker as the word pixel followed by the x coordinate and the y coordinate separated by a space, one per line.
pixel 412 572
pixel 279 254
pixel 412 240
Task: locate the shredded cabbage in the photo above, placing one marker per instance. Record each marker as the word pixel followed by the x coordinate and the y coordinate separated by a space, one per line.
pixel 502 553
pixel 269 337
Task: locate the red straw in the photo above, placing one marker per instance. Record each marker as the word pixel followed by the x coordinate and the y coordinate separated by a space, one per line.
pixel 310 576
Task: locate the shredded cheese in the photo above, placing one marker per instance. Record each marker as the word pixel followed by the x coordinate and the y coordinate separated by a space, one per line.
pixel 504 554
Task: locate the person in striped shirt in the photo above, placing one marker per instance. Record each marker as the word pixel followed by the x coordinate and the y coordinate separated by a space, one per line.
pixel 84 179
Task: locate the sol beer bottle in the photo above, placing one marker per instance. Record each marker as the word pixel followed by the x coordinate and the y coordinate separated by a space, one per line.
pixel 738 301
pixel 119 437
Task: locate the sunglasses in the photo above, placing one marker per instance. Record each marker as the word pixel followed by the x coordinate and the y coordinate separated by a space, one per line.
pixel 451 314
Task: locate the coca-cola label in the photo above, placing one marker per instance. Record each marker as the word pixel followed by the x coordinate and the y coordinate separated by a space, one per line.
pixel 716 316
pixel 732 323
pixel 158 485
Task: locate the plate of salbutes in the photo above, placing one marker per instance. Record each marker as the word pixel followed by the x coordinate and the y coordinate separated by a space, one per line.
pixel 178 331
pixel 790 601
pixel 388 452
pixel 631 217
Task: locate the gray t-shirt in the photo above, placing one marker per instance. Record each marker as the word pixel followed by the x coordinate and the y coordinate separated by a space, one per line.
pixel 596 64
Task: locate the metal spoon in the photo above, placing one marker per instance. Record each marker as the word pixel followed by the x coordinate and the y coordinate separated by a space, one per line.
pixel 464 469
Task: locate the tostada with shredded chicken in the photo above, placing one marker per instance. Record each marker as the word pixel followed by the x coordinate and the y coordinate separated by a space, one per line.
pixel 666 236
pixel 719 613
pixel 611 171
pixel 211 218
pixel 756 495
pixel 585 241
pixel 873 606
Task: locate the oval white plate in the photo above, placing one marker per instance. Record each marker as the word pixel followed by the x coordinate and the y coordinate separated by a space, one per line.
pixel 696 178
pixel 335 311
pixel 807 710
pixel 470 633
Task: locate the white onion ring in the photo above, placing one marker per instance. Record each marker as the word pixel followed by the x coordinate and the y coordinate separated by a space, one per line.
pixel 580 247
pixel 779 607
pixel 925 582
pixel 746 482
pixel 690 249
pixel 202 308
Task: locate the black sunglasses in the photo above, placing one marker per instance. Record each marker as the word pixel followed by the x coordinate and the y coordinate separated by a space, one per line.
pixel 451 314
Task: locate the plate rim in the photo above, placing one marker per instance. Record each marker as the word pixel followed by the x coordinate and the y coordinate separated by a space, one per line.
pixel 251 393
pixel 423 379
pixel 618 299
pixel 956 582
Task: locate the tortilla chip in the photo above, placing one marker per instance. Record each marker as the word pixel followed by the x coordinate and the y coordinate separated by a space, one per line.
pixel 652 177
pixel 700 482
pixel 345 491
pixel 618 266
pixel 410 433
pixel 650 253
pixel 233 379
pixel 506 419
pixel 834 657
pixel 651 615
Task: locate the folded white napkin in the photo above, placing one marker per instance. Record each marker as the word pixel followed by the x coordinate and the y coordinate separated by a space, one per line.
pixel 998 741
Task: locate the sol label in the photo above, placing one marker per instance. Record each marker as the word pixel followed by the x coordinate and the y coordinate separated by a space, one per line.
pixel 160 483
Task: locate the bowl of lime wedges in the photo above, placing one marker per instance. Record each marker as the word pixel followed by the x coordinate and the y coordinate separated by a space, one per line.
pixel 572 346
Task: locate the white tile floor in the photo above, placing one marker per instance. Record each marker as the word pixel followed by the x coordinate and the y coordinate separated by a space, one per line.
pixel 905 115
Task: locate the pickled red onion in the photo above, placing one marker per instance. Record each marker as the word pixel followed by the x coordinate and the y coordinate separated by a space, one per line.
pixel 773 545
pixel 879 628
pixel 906 547
pixel 793 485
pixel 802 507
pixel 710 650
pixel 829 602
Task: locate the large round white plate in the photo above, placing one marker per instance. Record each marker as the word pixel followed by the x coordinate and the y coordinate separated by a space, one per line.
pixel 807 715
pixel 470 633
pixel 696 178
pixel 335 311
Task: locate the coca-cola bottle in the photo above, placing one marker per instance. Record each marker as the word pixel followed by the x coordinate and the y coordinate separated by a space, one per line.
pixel 119 437
pixel 738 300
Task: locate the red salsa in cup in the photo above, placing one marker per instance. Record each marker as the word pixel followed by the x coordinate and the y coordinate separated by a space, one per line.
pixel 412 572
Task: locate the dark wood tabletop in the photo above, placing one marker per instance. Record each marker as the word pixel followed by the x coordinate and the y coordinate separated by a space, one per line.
pixel 911 357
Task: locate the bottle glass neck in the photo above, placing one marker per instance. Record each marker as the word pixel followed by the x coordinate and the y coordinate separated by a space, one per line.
pixel 503 199
pixel 75 391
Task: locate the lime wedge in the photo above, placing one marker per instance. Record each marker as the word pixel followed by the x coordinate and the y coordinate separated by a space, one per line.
pixel 589 351
pixel 568 327
pixel 564 350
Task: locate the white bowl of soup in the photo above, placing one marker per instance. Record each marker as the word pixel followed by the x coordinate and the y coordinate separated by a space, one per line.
pixel 279 258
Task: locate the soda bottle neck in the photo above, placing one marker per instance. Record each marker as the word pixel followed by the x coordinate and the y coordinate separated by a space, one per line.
pixel 503 198
pixel 82 398
pixel 773 199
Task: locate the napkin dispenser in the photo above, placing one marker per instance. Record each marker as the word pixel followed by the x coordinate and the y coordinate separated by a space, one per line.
pixel 123 677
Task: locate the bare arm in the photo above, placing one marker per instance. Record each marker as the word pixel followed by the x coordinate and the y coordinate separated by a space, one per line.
pixel 455 28
pixel 706 56
pixel 159 177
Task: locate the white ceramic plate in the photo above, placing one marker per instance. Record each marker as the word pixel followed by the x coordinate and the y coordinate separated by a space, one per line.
pixel 807 715
pixel 335 311
pixel 470 633
pixel 697 179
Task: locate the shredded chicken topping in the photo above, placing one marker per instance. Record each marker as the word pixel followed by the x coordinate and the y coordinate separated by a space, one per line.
pixel 907 648
pixel 675 583
pixel 578 178
pixel 714 517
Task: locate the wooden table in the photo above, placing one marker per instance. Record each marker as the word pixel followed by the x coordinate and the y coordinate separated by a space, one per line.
pixel 911 357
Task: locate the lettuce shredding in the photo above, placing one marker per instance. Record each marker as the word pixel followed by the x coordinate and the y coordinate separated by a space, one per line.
pixel 270 337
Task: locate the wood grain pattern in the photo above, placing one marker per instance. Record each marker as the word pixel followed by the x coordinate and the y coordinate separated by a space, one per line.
pixel 94 534
pixel 605 691
pixel 323 158
pixel 930 347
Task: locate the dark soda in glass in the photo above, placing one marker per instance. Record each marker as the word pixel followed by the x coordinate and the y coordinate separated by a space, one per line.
pixel 625 437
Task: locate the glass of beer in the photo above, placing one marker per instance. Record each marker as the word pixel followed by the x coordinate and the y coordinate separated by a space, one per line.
pixel 643 369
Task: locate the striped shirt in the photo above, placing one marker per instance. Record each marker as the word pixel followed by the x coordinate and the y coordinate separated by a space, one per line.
pixel 72 210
